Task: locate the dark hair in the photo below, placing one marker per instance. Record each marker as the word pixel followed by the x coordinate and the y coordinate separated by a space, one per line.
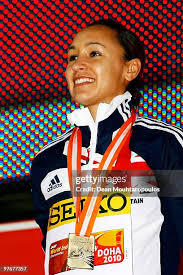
pixel 133 48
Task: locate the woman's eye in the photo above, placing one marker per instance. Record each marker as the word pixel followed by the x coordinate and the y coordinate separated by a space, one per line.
pixel 72 57
pixel 95 53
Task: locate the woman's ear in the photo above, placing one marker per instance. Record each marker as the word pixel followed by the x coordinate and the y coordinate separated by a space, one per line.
pixel 133 69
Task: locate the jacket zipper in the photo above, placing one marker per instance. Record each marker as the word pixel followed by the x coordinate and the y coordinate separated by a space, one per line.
pixel 93 143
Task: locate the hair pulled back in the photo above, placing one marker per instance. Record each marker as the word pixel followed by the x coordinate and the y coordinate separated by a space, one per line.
pixel 133 48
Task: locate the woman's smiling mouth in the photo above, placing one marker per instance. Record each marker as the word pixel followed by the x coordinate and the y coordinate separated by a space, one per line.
pixel 83 81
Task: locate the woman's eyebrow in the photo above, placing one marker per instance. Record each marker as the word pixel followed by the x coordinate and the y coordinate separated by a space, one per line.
pixel 72 47
pixel 91 43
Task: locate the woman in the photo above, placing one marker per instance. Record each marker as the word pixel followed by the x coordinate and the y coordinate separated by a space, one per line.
pixel 105 65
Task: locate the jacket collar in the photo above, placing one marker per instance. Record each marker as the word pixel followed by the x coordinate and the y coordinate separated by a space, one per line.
pixel 82 117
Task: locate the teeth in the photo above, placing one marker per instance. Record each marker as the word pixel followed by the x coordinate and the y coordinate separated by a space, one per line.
pixel 82 80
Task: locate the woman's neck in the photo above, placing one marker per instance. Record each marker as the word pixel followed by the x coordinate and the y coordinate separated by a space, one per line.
pixel 93 111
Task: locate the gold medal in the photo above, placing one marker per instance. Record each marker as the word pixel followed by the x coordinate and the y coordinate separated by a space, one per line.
pixel 81 252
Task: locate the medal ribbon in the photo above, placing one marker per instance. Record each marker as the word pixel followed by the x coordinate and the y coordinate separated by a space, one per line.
pixel 85 219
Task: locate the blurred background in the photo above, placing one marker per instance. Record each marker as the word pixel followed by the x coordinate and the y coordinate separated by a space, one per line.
pixel 34 98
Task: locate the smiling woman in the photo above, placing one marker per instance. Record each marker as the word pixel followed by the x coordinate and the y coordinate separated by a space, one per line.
pixel 86 226
pixel 97 68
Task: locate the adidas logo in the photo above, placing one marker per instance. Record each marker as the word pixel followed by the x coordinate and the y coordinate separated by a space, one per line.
pixel 55 183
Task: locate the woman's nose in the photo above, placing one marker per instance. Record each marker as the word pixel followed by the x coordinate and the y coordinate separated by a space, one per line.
pixel 79 65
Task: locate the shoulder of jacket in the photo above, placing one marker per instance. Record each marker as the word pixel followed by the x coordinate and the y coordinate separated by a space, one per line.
pixel 55 142
pixel 155 126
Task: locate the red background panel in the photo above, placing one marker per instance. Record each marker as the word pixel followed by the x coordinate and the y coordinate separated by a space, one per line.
pixel 22 248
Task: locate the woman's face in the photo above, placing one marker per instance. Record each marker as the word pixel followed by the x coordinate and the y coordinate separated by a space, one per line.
pixel 96 67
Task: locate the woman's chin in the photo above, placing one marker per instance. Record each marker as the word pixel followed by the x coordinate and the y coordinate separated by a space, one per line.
pixel 84 99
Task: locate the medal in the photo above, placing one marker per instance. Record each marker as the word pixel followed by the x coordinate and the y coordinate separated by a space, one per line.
pixel 81 244
pixel 81 252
